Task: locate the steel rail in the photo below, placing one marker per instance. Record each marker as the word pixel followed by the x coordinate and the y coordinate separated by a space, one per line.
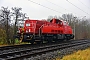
pixel 17 54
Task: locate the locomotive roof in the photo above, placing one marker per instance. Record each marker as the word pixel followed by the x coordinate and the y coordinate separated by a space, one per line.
pixel 46 20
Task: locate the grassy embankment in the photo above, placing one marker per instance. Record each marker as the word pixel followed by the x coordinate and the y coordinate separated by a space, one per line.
pixel 17 42
pixel 79 55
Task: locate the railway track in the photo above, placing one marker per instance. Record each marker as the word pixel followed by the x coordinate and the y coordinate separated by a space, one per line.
pixel 21 51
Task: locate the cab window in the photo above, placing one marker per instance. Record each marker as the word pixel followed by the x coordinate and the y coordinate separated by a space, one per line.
pixel 59 22
pixel 27 24
pixel 65 23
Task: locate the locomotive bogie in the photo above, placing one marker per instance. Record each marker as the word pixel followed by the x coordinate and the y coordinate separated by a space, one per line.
pixel 46 37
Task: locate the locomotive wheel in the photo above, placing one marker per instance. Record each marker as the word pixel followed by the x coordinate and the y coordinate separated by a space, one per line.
pixel 56 40
pixel 25 37
pixel 49 41
pixel 68 38
pixel 32 42
pixel 72 36
pixel 39 42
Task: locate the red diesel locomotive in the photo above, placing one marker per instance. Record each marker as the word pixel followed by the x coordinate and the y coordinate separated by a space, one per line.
pixel 41 30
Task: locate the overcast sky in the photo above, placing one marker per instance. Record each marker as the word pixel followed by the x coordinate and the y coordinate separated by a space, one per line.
pixel 35 11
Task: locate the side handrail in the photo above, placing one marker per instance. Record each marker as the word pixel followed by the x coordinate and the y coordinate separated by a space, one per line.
pixel 40 30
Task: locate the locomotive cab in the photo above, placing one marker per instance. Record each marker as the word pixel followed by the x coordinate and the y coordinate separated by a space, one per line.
pixel 57 21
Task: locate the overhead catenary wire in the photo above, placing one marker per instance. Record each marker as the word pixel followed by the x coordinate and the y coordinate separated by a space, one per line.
pixel 84 4
pixel 60 6
pixel 45 6
pixel 77 7
pixel 56 10
pixel 56 4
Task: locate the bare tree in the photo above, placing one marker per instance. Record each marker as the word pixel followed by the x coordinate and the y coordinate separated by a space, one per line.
pixel 5 17
pixel 16 14
pixel 18 17
pixel 49 18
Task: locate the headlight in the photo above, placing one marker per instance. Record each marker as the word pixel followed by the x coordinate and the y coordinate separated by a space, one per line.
pixel 26 31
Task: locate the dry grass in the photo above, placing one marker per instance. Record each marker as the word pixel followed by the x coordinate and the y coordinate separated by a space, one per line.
pixel 3 45
pixel 79 55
